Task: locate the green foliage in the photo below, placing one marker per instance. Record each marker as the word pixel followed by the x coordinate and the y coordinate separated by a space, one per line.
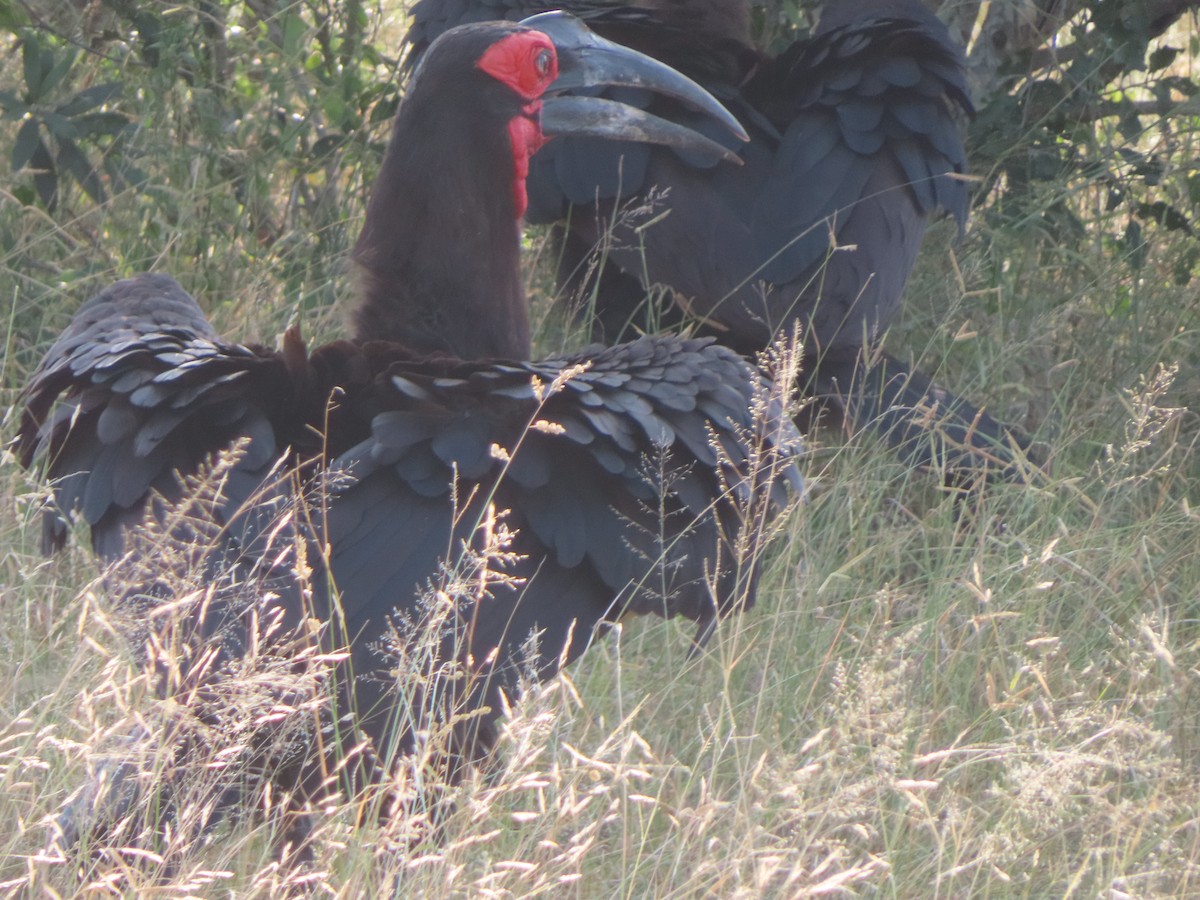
pixel 229 137
pixel 1086 134
pixel 68 125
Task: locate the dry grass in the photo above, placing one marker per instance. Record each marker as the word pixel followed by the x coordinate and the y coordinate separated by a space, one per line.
pixel 933 698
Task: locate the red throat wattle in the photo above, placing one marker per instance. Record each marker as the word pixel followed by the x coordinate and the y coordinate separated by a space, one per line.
pixel 527 63
pixel 525 136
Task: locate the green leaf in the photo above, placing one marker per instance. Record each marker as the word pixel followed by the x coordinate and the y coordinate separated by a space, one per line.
pixel 122 172
pixel 1185 86
pixel 63 63
pixel 1129 123
pixel 295 30
pixel 1062 222
pixel 1162 57
pixel 150 31
pixel 89 98
pixel 73 160
pixel 60 126
pixel 1122 304
pixel 102 123
pixel 26 144
pixel 45 178
pixel 1165 215
pixel 369 56
pixel 14 106
pixel 36 65
pixel 385 110
pixel 1133 245
pixel 44 69
pixel 335 108
pixel 326 145
pixel 1185 265
pixel 12 16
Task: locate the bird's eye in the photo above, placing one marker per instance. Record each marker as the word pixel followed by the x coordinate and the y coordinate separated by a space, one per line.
pixel 544 62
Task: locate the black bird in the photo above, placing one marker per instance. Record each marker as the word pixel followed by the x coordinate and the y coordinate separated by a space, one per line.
pixel 854 147
pixel 513 508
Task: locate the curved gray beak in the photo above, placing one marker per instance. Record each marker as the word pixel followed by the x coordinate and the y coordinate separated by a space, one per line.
pixel 586 60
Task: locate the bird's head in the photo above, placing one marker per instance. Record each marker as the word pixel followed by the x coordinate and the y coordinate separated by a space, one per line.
pixel 439 253
pixel 531 79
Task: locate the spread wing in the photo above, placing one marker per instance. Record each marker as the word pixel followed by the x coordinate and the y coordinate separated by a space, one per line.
pixel 871 145
pixel 855 143
pixel 138 391
pixel 544 499
pixel 547 500
pixel 127 415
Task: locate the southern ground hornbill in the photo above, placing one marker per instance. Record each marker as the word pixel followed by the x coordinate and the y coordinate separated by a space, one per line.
pixel 854 148
pixel 500 512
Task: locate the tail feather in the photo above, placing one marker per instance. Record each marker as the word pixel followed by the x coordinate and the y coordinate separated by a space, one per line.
pixel 925 424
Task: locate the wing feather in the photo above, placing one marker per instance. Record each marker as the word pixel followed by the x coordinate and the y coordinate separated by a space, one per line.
pixel 136 392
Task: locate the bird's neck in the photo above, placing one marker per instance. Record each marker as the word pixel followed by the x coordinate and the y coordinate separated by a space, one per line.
pixel 439 253
pixel 525 139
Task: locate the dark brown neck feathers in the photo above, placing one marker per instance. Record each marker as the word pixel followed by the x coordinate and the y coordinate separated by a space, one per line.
pixel 438 258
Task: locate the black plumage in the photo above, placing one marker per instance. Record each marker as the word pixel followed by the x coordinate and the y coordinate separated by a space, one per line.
pixel 544 500
pixel 855 146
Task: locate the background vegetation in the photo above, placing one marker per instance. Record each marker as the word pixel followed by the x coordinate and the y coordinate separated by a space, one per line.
pixel 995 697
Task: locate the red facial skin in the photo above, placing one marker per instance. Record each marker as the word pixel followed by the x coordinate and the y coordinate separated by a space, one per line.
pixel 528 63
